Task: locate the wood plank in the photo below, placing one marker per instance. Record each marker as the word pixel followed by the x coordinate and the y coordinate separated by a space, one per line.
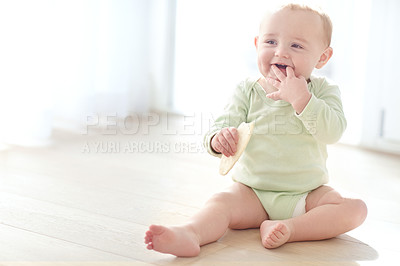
pixel 22 245
pixel 117 172
pixel 72 225
pixel 99 200
pixel 342 248
pixel 83 228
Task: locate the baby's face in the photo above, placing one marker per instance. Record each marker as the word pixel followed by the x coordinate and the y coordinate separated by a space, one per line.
pixel 290 38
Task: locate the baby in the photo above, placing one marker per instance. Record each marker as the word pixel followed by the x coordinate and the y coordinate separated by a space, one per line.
pixel 279 180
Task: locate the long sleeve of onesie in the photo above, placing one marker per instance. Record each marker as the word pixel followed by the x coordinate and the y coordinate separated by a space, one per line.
pixel 235 112
pixel 323 116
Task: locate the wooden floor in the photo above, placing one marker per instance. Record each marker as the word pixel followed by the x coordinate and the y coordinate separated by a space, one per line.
pixel 87 199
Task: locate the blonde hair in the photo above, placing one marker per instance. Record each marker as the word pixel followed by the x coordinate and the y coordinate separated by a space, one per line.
pixel 326 21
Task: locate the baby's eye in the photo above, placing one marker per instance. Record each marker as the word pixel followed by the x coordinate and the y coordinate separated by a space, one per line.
pixel 271 42
pixel 298 46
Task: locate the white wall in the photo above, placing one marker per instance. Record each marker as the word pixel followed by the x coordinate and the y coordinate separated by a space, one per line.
pixel 162 53
pixel 214 51
pixel 104 57
pixel 64 60
pixel 381 127
pixel 347 68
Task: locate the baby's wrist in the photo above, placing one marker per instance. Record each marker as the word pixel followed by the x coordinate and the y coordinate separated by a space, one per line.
pixel 300 103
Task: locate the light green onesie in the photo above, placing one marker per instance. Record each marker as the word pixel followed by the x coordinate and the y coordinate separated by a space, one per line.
pixel 286 155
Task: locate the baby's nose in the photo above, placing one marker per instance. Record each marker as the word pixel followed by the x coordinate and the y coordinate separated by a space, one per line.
pixel 281 52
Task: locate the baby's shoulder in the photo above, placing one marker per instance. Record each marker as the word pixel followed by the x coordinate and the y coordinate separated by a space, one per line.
pixel 247 85
pixel 322 85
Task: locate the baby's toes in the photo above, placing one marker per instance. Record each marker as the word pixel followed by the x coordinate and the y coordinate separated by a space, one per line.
pixel 277 234
pixel 147 239
pixel 273 237
pixel 268 242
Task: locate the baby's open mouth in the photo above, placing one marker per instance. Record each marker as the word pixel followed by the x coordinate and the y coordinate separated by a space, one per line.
pixel 281 66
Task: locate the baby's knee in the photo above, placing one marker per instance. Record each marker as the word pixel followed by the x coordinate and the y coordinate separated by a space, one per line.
pixel 360 211
pixel 356 212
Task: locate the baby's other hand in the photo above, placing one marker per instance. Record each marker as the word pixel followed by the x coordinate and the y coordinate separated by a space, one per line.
pixel 225 141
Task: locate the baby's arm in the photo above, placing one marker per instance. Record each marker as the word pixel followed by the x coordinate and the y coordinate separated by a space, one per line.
pixel 321 114
pixel 222 136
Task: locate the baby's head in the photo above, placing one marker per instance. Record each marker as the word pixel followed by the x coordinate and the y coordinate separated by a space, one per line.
pixel 325 21
pixel 294 35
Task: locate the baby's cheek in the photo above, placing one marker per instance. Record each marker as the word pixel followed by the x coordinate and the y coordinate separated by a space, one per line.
pixel 304 69
pixel 264 68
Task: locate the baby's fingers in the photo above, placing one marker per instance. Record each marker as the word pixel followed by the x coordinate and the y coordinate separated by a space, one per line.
pixel 230 139
pixel 278 73
pixel 290 72
pixel 223 147
pixel 274 82
pixel 274 96
pixel 219 144
pixel 235 134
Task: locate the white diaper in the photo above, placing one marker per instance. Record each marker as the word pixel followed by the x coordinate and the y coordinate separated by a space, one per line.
pixel 300 208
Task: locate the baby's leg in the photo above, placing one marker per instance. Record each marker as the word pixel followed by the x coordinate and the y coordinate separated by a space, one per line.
pixel 236 208
pixel 327 215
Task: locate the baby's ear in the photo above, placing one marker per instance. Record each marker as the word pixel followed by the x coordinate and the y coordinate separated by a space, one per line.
pixel 256 42
pixel 327 54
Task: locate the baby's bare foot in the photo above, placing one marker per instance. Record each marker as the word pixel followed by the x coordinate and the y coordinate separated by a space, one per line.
pixel 274 233
pixel 178 241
